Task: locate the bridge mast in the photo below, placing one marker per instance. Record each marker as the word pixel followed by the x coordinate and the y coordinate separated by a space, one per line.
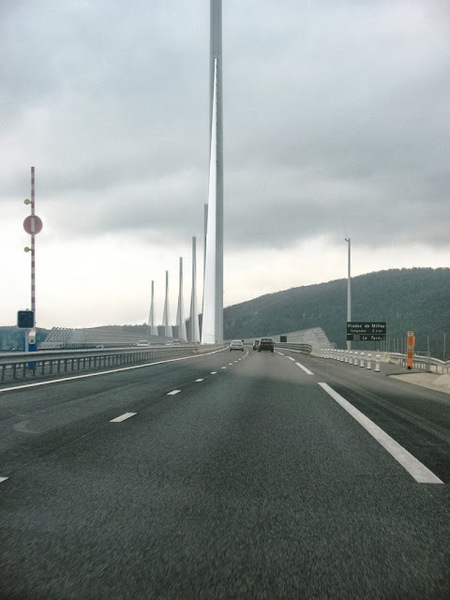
pixel 180 309
pixel 212 327
pixel 166 317
pixel 194 333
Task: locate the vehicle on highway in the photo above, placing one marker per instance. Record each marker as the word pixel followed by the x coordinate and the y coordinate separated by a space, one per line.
pixel 237 345
pixel 255 345
pixel 265 344
pixel 143 343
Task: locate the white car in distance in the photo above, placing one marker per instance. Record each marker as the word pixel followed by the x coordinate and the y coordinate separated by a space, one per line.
pixel 143 343
pixel 237 345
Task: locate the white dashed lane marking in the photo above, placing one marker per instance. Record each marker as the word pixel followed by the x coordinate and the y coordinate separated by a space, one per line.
pixel 123 417
pixel 3 479
pixel 307 371
pixel 174 392
pixel 199 380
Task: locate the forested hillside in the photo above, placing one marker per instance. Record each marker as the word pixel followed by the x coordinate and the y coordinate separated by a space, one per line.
pixel 407 299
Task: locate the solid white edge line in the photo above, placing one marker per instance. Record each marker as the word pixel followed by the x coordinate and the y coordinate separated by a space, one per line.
pixel 110 371
pixel 123 417
pixel 290 358
pixel 307 371
pixel 414 467
pixel 174 392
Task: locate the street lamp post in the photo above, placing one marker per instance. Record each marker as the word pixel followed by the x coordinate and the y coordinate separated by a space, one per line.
pixel 349 289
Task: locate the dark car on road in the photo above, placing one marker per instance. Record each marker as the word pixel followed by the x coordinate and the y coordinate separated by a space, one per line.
pixel 265 344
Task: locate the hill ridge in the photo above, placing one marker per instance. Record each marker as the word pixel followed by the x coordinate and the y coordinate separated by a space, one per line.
pixel 407 299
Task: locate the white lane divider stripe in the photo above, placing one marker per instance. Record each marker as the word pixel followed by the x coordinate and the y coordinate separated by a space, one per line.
pixel 307 371
pixel 414 467
pixel 174 392
pixel 290 358
pixel 223 367
pixel 3 479
pixel 213 372
pixel 123 417
pixel 199 380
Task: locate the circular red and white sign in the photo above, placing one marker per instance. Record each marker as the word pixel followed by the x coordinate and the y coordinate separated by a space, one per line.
pixel 32 224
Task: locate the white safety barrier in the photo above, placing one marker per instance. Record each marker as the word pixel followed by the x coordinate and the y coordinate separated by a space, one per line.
pixel 377 363
pixel 355 358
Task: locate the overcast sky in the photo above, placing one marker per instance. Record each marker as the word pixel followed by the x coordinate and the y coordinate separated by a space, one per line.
pixel 336 124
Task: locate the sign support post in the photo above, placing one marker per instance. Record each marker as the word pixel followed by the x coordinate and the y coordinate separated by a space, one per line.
pixel 32 225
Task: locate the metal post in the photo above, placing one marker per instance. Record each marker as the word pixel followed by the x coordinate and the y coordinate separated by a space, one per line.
pixel 32 225
pixel 33 246
pixel 349 290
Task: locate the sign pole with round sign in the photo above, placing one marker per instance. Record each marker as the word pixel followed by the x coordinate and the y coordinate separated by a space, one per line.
pixel 32 225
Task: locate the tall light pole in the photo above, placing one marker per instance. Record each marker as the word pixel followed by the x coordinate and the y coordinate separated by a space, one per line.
pixel 349 288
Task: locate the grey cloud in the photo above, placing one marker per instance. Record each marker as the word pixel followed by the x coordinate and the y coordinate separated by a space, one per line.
pixel 336 118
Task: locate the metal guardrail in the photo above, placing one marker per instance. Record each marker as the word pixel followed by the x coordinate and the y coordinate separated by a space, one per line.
pixel 22 365
pixel 305 348
pixel 423 363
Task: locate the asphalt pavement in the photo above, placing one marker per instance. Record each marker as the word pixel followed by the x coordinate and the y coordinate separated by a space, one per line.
pixel 232 475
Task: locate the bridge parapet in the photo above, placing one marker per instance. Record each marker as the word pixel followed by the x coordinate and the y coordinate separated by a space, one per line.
pixel 22 365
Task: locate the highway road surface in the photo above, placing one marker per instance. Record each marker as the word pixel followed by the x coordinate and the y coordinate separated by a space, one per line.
pixel 234 475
